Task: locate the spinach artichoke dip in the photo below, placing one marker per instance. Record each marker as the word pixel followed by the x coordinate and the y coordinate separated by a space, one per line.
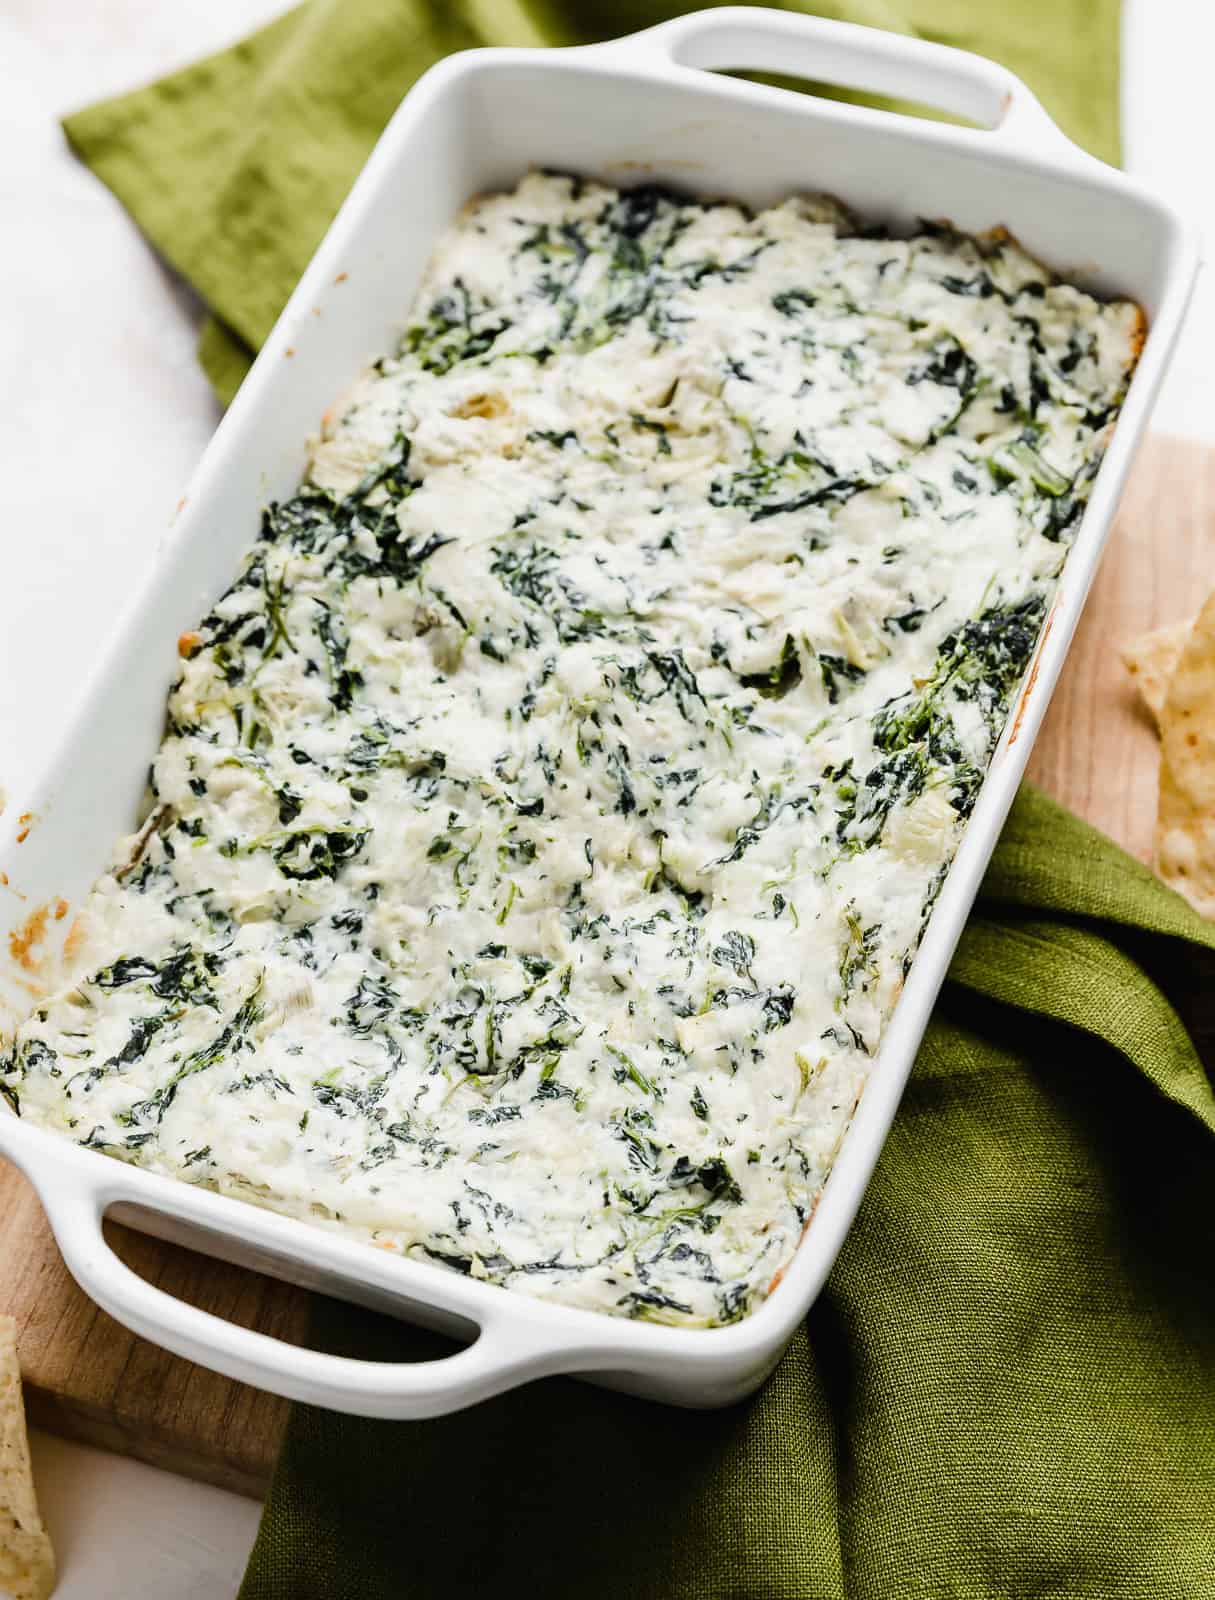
pixel 549 812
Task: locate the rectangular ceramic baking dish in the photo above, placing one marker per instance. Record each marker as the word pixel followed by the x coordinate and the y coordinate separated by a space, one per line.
pixel 651 106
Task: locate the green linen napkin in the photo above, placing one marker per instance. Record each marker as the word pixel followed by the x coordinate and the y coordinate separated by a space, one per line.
pixel 1008 1386
pixel 1006 1389
pixel 235 166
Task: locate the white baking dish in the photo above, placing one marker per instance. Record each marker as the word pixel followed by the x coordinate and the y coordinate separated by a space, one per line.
pixel 641 107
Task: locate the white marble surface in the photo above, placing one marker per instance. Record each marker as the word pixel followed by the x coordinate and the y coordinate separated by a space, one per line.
pixel 123 1530
pixel 103 415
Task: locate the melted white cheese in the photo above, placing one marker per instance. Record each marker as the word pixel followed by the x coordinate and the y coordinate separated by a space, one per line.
pixel 550 810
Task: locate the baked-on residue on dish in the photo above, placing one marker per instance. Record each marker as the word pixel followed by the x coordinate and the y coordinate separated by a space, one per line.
pixel 549 812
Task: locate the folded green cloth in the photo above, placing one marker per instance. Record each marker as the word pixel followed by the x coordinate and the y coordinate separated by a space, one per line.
pixel 1008 1386
pixel 1006 1389
pixel 235 166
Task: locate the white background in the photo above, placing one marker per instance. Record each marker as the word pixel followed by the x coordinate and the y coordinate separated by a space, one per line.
pixel 103 414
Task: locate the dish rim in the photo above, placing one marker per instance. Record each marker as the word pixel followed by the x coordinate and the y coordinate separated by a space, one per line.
pixel 532 1337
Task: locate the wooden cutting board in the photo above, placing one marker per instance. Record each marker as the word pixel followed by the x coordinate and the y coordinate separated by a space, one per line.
pixel 88 1378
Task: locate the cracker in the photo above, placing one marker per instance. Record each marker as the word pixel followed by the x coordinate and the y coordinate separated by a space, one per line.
pixel 27 1562
pixel 1185 820
pixel 1151 659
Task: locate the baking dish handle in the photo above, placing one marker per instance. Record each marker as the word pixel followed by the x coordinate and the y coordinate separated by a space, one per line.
pixel 847 55
pixel 505 1353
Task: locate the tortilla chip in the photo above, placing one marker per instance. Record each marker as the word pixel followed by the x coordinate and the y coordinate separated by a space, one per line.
pixel 1151 660
pixel 27 1562
pixel 1185 820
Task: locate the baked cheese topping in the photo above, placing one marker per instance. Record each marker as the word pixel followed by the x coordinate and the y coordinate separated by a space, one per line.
pixel 550 811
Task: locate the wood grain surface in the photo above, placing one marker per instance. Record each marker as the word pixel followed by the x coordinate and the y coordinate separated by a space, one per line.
pixel 88 1377
pixel 1097 752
